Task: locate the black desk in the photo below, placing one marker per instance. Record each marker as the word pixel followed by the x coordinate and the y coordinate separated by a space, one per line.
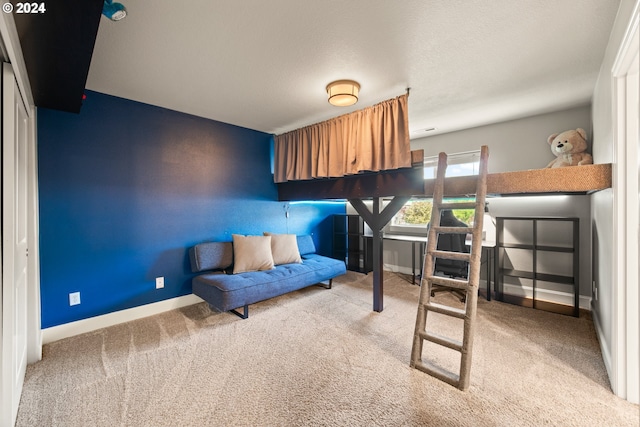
pixel 414 240
pixel 421 241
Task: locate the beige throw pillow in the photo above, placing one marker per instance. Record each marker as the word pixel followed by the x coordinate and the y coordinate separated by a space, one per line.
pixel 251 253
pixel 284 248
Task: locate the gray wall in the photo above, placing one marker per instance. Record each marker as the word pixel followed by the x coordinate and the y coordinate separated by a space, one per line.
pixel 514 145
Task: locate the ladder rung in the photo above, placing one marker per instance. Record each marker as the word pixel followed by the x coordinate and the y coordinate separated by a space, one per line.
pixel 448 282
pixel 454 230
pixel 438 372
pixel 442 340
pixel 446 310
pixel 458 205
pixel 460 256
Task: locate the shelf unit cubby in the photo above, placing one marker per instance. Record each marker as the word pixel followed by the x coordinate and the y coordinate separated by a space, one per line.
pixel 537 261
pixel 350 243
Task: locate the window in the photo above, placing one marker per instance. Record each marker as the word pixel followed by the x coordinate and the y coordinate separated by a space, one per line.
pixel 459 164
pixel 416 213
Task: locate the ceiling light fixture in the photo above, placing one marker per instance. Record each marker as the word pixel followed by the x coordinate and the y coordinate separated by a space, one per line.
pixel 114 11
pixel 343 93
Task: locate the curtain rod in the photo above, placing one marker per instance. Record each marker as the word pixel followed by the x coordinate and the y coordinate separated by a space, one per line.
pixel 347 114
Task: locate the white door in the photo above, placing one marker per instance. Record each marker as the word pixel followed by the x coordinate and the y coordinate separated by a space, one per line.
pixel 14 246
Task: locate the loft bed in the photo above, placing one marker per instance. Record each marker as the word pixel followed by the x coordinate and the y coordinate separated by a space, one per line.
pixel 575 180
pixel 402 184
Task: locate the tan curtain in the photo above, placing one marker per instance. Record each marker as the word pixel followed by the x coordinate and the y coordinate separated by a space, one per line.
pixel 368 140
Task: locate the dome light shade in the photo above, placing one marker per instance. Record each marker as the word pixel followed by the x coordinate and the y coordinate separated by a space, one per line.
pixel 343 93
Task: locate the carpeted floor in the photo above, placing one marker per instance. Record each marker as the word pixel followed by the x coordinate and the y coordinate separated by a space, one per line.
pixel 322 357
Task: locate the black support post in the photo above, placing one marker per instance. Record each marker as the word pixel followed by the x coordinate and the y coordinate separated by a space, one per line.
pixel 376 220
pixel 378 277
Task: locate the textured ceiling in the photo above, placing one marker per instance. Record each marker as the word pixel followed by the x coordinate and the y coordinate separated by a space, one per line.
pixel 264 65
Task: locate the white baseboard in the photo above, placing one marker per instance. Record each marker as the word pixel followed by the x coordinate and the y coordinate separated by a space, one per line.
pixel 565 298
pixel 585 302
pixel 604 349
pixel 552 296
pixel 56 333
pixel 398 269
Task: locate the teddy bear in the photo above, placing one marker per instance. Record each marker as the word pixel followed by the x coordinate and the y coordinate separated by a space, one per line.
pixel 569 148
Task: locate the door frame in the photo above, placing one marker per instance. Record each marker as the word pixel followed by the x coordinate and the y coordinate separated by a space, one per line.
pixel 625 358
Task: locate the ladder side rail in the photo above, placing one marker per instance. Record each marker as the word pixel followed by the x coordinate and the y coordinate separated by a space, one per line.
pixel 432 240
pixel 429 262
pixel 474 272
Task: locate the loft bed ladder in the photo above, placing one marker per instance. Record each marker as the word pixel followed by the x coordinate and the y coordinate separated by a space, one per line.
pixel 469 286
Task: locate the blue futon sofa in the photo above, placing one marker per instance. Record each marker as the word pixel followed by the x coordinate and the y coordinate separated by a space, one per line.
pixel 227 292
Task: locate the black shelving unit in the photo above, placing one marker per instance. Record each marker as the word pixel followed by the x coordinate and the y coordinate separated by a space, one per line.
pixel 534 247
pixel 350 243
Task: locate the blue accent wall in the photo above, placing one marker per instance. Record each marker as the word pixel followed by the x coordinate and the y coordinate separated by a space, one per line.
pixel 126 188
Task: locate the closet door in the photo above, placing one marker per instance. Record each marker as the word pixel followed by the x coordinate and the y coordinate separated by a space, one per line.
pixel 13 298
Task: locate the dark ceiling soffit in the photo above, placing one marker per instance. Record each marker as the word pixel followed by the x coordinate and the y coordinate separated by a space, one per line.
pixel 57 46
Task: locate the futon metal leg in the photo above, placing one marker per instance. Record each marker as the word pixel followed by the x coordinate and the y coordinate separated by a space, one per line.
pixel 324 285
pixel 242 315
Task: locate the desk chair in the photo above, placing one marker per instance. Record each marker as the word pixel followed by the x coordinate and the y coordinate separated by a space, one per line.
pixel 454 243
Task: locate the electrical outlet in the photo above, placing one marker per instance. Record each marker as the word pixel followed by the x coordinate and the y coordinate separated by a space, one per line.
pixel 74 298
pixel 159 282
